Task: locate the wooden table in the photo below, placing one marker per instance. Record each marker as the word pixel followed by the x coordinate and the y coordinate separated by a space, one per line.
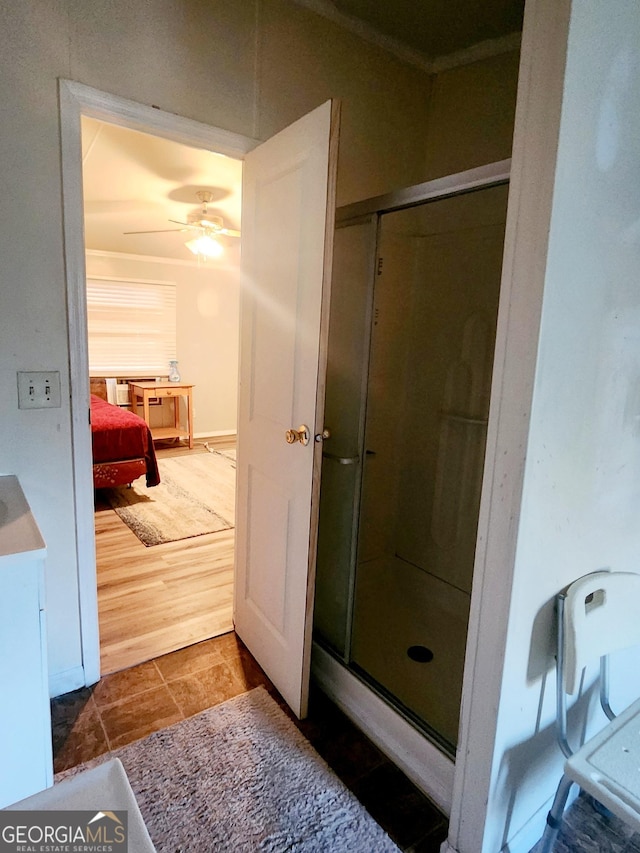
pixel 154 390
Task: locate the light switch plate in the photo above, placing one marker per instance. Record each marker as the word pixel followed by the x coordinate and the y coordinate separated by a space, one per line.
pixel 39 390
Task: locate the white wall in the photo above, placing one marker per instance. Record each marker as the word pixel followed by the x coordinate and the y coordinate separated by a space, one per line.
pixel 581 479
pixel 207 327
pixel 248 67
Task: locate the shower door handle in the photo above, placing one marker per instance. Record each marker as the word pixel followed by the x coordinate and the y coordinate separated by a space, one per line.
pixel 341 460
pixel 301 434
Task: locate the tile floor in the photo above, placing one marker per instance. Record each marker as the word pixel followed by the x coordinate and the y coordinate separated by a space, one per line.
pixel 588 827
pixel 131 704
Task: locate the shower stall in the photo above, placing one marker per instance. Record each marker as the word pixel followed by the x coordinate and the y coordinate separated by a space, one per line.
pixel 412 330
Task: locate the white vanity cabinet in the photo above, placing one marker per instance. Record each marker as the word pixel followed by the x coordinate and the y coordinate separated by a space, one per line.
pixel 26 764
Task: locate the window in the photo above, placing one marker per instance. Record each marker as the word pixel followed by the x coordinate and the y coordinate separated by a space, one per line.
pixel 132 326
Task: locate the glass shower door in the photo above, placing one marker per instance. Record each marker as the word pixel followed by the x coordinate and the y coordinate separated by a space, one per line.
pixel 427 400
pixel 348 353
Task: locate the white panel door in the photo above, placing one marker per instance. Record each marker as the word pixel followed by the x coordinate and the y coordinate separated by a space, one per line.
pixel 287 225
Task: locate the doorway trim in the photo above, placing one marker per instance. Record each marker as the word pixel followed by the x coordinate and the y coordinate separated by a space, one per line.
pixel 77 100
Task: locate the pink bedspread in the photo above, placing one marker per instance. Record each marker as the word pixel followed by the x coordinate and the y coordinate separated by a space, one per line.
pixel 118 435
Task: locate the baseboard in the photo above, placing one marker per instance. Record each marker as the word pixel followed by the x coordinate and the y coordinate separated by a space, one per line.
pixel 427 767
pixel 219 433
pixel 66 681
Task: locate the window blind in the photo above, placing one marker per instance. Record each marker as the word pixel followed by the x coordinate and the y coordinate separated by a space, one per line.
pixel 131 325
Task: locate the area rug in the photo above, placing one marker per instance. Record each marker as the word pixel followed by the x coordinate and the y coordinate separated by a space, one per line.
pixel 239 778
pixel 196 495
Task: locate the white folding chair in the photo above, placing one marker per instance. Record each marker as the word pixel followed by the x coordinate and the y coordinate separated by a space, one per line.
pixel 597 615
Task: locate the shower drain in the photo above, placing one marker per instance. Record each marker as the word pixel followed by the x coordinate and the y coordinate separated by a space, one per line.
pixel 421 654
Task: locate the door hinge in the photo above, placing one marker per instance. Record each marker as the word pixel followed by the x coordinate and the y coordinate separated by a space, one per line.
pixel 380 265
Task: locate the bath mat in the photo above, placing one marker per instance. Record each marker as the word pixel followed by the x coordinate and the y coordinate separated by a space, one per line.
pixel 239 778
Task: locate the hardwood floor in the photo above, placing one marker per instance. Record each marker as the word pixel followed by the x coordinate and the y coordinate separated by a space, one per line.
pixel 155 600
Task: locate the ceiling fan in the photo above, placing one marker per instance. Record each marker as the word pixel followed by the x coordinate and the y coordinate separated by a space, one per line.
pixel 201 220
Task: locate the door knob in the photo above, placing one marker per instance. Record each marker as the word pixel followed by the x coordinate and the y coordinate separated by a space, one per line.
pixel 323 436
pixel 301 434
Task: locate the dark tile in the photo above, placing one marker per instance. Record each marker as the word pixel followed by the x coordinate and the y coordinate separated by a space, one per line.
pixel 321 708
pixel 229 645
pixel 633 845
pixel 348 752
pixel 188 660
pixel 127 683
pixel 67 708
pixel 343 746
pixel 432 841
pixel 205 688
pixel 588 827
pixel 247 672
pixel 397 805
pixel 77 731
pixel 138 716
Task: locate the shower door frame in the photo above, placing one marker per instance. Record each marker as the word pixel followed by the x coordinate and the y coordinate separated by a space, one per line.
pixel 421 758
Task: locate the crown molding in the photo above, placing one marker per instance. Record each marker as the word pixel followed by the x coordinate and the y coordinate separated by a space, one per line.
pixel 482 50
pixel 151 259
pixel 368 33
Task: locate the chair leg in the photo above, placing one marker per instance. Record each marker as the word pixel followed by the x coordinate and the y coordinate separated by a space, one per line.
pixel 554 818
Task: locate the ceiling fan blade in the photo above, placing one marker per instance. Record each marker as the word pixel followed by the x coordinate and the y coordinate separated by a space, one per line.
pixel 161 231
pixel 229 232
pixel 177 222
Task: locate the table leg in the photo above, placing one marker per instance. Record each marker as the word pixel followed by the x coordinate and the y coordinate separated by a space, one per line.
pixel 145 405
pixel 176 412
pixel 190 416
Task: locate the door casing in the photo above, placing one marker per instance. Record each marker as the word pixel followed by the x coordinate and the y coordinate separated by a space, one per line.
pixel 77 100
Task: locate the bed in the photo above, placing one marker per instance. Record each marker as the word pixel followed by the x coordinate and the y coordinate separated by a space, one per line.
pixel 122 446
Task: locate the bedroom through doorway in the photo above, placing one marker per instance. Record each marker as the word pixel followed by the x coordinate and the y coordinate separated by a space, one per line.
pixel 164 553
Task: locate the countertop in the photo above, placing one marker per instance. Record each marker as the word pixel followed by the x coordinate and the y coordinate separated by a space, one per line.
pixel 19 533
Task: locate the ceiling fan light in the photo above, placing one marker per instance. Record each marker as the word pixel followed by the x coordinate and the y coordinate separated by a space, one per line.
pixel 206 246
